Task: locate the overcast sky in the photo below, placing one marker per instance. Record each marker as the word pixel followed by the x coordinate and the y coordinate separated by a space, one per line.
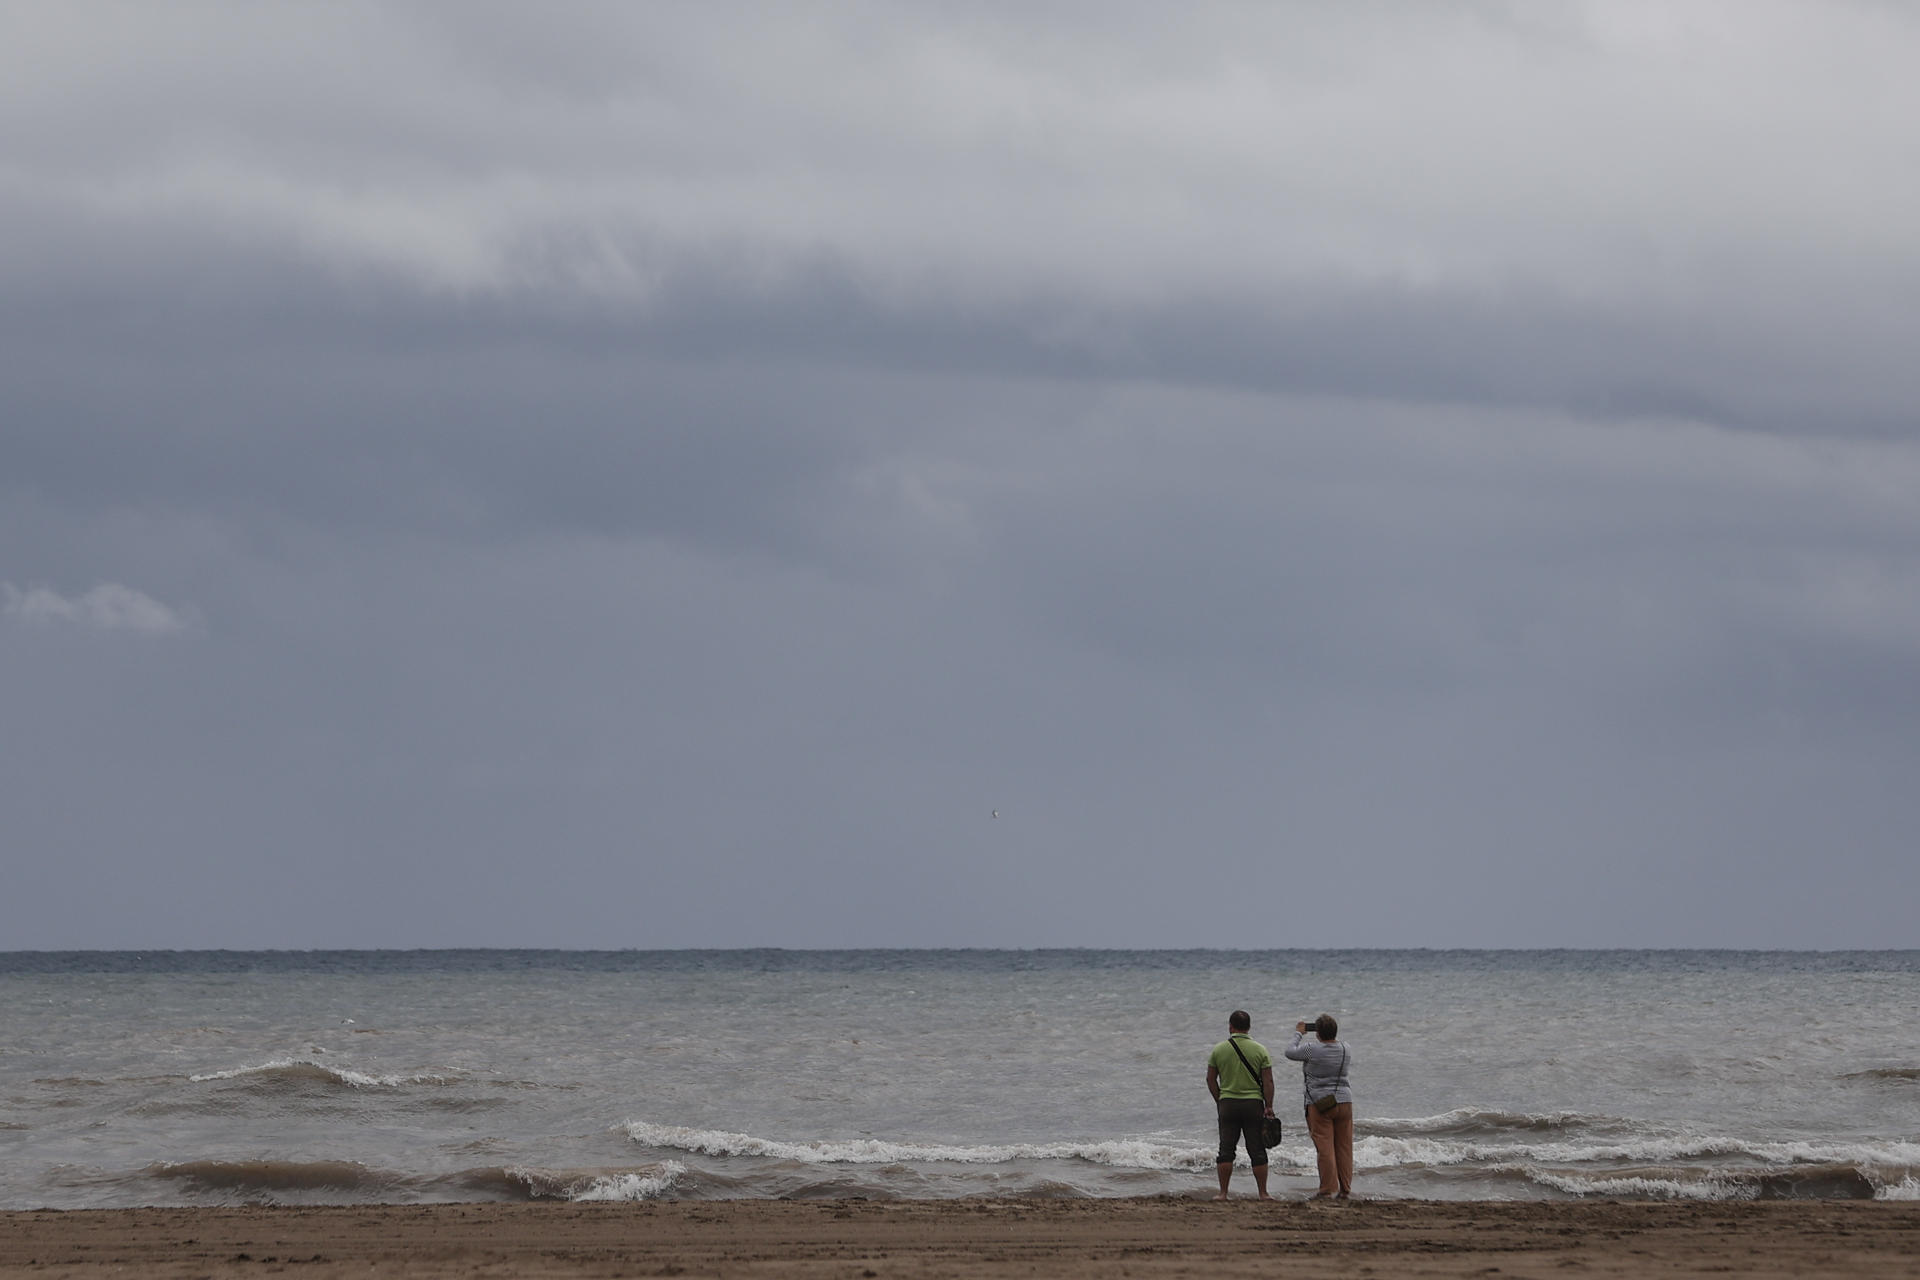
pixel 658 475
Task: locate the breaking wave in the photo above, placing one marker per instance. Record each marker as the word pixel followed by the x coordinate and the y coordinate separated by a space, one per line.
pixel 1373 1151
pixel 304 1072
pixel 1693 1167
pixel 1799 1182
pixel 1137 1153
pixel 1386 1152
pixel 684 1162
pixel 582 1185
pixel 1472 1121
pixel 280 1181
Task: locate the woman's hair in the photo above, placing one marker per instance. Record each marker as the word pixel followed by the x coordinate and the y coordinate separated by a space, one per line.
pixel 1325 1027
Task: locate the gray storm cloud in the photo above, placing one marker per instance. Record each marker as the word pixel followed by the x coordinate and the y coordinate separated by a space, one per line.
pixel 1616 208
pixel 658 475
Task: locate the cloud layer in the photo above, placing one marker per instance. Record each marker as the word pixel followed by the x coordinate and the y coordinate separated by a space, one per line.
pixel 661 475
pixel 107 607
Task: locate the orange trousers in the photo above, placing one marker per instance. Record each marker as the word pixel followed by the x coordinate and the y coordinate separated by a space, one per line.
pixel 1332 1133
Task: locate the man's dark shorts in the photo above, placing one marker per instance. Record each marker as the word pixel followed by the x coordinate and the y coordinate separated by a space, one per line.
pixel 1240 1118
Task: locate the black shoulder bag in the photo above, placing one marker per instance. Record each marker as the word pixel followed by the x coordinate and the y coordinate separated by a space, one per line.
pixel 1270 1130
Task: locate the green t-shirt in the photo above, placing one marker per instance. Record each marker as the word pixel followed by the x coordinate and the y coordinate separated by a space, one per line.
pixel 1235 1082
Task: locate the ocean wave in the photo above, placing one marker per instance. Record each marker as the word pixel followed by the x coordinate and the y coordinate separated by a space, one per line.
pixel 521 1182
pixel 1799 1182
pixel 274 1181
pixel 301 1071
pixel 1685 1166
pixel 1379 1153
pixel 1131 1152
pixel 267 1176
pixel 885 1171
pixel 1884 1073
pixel 1468 1121
pixel 1641 1187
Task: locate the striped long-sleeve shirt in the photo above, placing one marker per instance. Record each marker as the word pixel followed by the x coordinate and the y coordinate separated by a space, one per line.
pixel 1323 1067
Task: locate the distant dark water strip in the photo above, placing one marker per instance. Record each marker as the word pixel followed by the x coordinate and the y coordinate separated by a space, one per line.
pixel 778 960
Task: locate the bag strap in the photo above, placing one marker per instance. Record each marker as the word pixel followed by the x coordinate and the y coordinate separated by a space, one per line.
pixel 1343 1066
pixel 1248 1065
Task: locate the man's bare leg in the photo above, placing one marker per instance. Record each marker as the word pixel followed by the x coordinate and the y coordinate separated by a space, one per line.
pixel 1260 1180
pixel 1226 1175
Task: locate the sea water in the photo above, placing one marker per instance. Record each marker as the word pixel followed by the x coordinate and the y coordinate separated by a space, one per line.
pixel 353 1077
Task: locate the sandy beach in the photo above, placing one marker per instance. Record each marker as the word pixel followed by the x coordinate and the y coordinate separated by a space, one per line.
pixel 973 1238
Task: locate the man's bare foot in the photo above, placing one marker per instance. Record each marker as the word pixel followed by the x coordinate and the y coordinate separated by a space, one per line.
pixel 1220 1196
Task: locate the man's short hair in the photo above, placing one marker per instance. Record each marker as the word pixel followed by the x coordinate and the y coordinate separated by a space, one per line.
pixel 1239 1021
pixel 1325 1027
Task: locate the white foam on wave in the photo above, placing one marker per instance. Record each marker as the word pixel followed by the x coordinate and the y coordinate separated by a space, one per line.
pixel 1385 1153
pixel 1482 1118
pixel 1560 1165
pixel 1135 1153
pixel 303 1068
pixel 620 1186
pixel 634 1186
pixel 1712 1189
pixel 1373 1154
pixel 1907 1188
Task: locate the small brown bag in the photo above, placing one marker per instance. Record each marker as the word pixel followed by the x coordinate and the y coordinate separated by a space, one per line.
pixel 1327 1102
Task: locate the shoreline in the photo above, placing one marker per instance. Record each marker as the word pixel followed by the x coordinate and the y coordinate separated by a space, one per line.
pixel 967 1239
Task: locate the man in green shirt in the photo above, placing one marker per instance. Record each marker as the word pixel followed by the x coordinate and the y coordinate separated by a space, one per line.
pixel 1240 1078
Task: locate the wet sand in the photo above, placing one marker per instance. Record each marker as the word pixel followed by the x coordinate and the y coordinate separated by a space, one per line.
pixel 974 1239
